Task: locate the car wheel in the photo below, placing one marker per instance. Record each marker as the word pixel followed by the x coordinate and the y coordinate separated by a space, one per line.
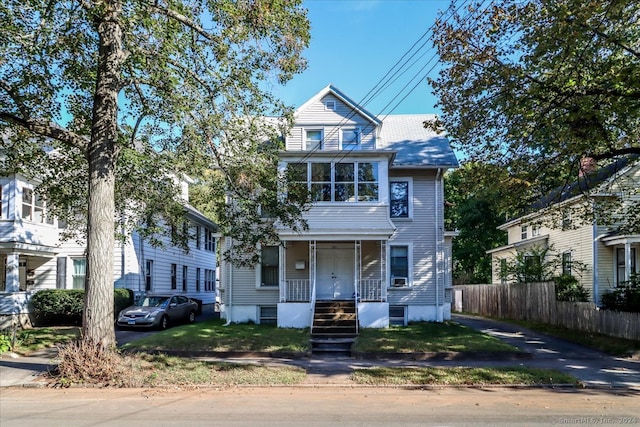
pixel 192 316
pixel 164 322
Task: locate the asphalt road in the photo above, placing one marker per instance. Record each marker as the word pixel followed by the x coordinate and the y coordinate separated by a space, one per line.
pixel 318 406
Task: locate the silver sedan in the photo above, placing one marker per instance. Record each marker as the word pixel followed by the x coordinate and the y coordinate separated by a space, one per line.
pixel 158 311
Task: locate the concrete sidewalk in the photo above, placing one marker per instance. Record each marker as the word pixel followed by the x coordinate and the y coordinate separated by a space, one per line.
pixel 592 368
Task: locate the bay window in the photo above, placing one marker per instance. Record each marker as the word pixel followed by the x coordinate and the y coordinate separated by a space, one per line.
pixel 335 181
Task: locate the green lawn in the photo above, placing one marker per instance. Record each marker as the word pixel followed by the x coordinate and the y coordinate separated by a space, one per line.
pixel 428 337
pixel 212 335
pixel 461 376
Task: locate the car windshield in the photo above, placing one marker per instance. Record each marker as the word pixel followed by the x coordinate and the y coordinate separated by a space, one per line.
pixel 154 301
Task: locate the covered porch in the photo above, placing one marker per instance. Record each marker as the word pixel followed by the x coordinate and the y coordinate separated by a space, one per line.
pixel 340 270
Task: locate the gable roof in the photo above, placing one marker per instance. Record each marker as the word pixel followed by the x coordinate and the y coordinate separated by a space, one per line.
pixel 586 183
pixel 330 89
pixel 415 145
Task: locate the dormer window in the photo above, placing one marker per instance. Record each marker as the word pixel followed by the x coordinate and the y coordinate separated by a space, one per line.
pixel 350 139
pixel 313 139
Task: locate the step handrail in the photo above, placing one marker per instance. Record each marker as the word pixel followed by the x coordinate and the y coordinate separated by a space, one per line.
pixel 313 304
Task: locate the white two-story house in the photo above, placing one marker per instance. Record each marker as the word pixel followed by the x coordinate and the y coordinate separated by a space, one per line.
pixel 375 228
pixel 33 257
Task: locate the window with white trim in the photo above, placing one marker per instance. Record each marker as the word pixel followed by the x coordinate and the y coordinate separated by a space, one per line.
pixel 350 139
pixel 399 261
pixel 566 263
pixel 209 240
pixel 400 195
pixel 209 280
pixel 269 265
pixel 174 276
pixel 524 232
pixel 620 264
pixel 148 275
pixel 185 275
pixel 79 272
pixel 313 139
pixel 337 181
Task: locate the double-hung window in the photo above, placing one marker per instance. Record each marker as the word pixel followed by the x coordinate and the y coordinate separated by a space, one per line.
pixel 524 232
pixel 209 241
pixel 185 275
pixel 269 266
pixel 313 139
pixel 344 182
pixel 399 258
pixel 566 263
pixel 79 272
pixel 148 275
pixel 350 139
pixel 174 276
pixel 400 198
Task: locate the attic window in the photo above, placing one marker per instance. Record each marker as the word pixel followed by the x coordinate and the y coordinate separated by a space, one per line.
pixel 330 105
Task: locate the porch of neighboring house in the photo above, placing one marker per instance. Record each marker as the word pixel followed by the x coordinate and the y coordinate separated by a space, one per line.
pixel 333 287
pixel 23 274
pixel 626 249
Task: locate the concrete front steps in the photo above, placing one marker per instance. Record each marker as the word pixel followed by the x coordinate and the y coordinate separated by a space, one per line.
pixel 334 327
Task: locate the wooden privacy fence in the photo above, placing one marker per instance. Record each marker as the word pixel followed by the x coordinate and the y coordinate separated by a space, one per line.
pixel 537 302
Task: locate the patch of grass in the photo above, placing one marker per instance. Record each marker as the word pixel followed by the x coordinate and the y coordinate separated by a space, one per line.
pixel 427 337
pixel 29 340
pixel 461 376
pixel 607 344
pixel 155 370
pixel 212 335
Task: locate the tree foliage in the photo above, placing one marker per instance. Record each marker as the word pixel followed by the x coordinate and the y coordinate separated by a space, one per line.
pixel 475 208
pixel 536 86
pixel 103 99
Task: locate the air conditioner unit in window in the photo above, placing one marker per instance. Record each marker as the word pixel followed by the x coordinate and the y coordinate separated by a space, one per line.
pixel 398 282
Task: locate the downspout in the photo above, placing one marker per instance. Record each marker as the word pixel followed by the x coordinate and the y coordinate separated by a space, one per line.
pixel 439 314
pixel 229 282
pixel 595 263
pixel 142 265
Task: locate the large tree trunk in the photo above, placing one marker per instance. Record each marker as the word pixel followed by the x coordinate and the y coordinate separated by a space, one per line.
pixel 98 316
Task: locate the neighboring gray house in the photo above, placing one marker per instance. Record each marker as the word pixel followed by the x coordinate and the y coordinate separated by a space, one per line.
pixel 33 257
pixel 376 231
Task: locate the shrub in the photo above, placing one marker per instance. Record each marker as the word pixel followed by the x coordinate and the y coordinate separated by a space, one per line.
pixel 625 297
pixel 569 289
pixel 64 306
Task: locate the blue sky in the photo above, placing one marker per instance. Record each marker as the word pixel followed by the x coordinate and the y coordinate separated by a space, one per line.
pixel 354 43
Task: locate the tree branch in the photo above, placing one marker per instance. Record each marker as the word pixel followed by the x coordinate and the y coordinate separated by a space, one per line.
pixel 48 130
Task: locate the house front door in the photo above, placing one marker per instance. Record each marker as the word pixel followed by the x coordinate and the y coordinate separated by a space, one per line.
pixel 335 273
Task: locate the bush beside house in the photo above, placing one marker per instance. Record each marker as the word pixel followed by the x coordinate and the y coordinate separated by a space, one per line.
pixel 54 307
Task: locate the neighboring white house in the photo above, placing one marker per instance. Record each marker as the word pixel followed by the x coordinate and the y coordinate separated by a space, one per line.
pixel 376 230
pixel 33 257
pixel 609 255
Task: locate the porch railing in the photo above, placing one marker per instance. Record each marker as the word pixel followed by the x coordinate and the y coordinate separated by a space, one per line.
pixel 297 290
pixel 371 290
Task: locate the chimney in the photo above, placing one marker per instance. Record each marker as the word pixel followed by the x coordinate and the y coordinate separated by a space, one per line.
pixel 588 165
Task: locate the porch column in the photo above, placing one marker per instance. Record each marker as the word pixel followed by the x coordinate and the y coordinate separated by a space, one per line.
pixel 312 270
pixel 282 275
pixel 12 278
pixel 383 270
pixel 627 261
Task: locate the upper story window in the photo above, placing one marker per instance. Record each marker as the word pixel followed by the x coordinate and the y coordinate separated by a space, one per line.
pixel 313 139
pixel 33 207
pixel 336 182
pixel 330 105
pixel 535 230
pixel 400 198
pixel 209 240
pixel 350 139
pixel 566 220
pixel 524 232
